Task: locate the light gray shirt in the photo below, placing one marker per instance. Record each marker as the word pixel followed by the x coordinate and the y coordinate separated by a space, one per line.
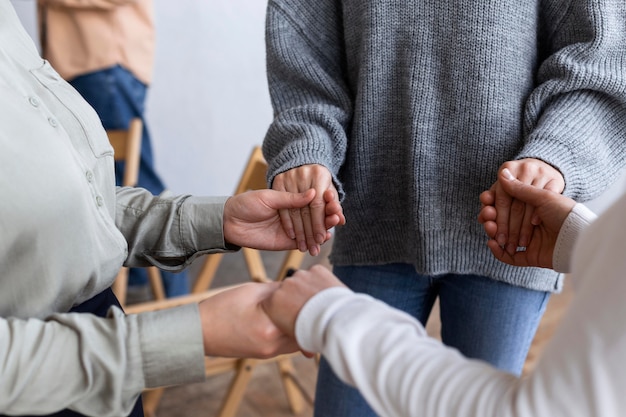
pixel 65 232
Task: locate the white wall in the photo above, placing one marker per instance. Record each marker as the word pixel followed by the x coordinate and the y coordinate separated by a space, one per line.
pixel 208 105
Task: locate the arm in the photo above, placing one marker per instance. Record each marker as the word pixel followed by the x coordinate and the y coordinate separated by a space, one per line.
pixel 402 372
pixel 306 142
pixel 171 232
pixel 574 117
pixel 106 363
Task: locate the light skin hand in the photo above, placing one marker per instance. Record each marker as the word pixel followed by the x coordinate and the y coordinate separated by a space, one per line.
pixel 515 218
pixel 252 219
pixel 550 211
pixel 234 324
pixel 307 225
pixel 284 304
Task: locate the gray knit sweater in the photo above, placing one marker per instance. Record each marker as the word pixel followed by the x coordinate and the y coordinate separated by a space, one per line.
pixel 413 106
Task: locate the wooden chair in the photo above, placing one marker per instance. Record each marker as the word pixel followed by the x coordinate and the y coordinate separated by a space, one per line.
pixel 253 178
pixel 127 148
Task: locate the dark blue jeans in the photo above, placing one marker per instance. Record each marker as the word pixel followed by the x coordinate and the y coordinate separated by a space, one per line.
pixel 482 318
pixel 117 96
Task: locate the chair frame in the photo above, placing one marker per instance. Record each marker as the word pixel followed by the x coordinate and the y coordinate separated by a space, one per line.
pixel 253 178
pixel 126 145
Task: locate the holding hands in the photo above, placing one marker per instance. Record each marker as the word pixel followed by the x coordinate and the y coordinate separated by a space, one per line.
pixel 549 211
pixel 257 320
pixel 308 224
pixel 235 322
pixel 515 219
pixel 256 219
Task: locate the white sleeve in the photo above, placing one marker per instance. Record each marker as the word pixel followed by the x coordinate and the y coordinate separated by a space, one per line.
pixel 96 366
pixel 398 369
pixel 577 220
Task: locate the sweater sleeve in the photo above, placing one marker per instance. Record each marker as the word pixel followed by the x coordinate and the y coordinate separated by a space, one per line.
pixel 575 119
pixel 96 366
pixel 311 101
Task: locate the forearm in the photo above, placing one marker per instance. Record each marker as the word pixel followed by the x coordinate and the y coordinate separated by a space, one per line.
pixel 169 232
pixel 311 101
pixel 575 117
pixel 96 366
pixel 402 372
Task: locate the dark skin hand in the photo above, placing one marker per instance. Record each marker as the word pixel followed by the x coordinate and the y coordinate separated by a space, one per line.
pixel 550 209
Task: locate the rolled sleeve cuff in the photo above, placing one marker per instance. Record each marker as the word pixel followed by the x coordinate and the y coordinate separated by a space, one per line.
pixel 171 345
pixel 203 224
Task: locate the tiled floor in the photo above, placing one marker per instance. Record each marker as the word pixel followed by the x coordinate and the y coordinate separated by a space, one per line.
pixel 264 395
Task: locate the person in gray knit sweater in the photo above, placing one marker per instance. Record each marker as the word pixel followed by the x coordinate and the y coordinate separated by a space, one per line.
pixel 406 111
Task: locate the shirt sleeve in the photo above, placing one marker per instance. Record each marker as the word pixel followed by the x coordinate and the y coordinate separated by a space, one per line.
pixel 575 118
pixel 311 100
pixel 96 366
pixel 402 372
pixel 577 221
pixel 169 231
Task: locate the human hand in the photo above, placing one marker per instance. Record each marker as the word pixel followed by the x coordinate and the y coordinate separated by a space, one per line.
pixel 284 304
pixel 307 224
pixel 235 325
pixel 252 218
pixel 515 218
pixel 550 211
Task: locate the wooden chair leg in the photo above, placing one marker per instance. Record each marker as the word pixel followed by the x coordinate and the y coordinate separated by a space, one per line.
pixel 120 285
pixel 206 274
pixel 156 283
pixel 294 391
pixel 150 400
pixel 237 387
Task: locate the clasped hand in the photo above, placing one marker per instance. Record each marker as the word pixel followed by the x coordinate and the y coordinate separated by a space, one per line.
pixel 526 214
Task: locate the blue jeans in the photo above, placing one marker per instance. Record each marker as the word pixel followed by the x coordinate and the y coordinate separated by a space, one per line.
pixel 117 96
pixel 483 318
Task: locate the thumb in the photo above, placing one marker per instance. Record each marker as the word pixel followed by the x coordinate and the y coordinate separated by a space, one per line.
pixel 520 191
pixel 289 200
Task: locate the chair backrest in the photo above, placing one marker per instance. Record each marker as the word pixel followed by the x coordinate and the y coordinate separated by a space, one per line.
pixel 252 178
pixel 127 147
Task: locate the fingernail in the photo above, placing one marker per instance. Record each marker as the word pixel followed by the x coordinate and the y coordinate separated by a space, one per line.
pixel 507 174
pixel 501 238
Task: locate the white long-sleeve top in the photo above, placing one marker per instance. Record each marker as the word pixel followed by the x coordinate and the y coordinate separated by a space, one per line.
pixel 388 356
pixel 65 230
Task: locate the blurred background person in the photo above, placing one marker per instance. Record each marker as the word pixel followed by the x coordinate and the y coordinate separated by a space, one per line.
pixel 105 49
